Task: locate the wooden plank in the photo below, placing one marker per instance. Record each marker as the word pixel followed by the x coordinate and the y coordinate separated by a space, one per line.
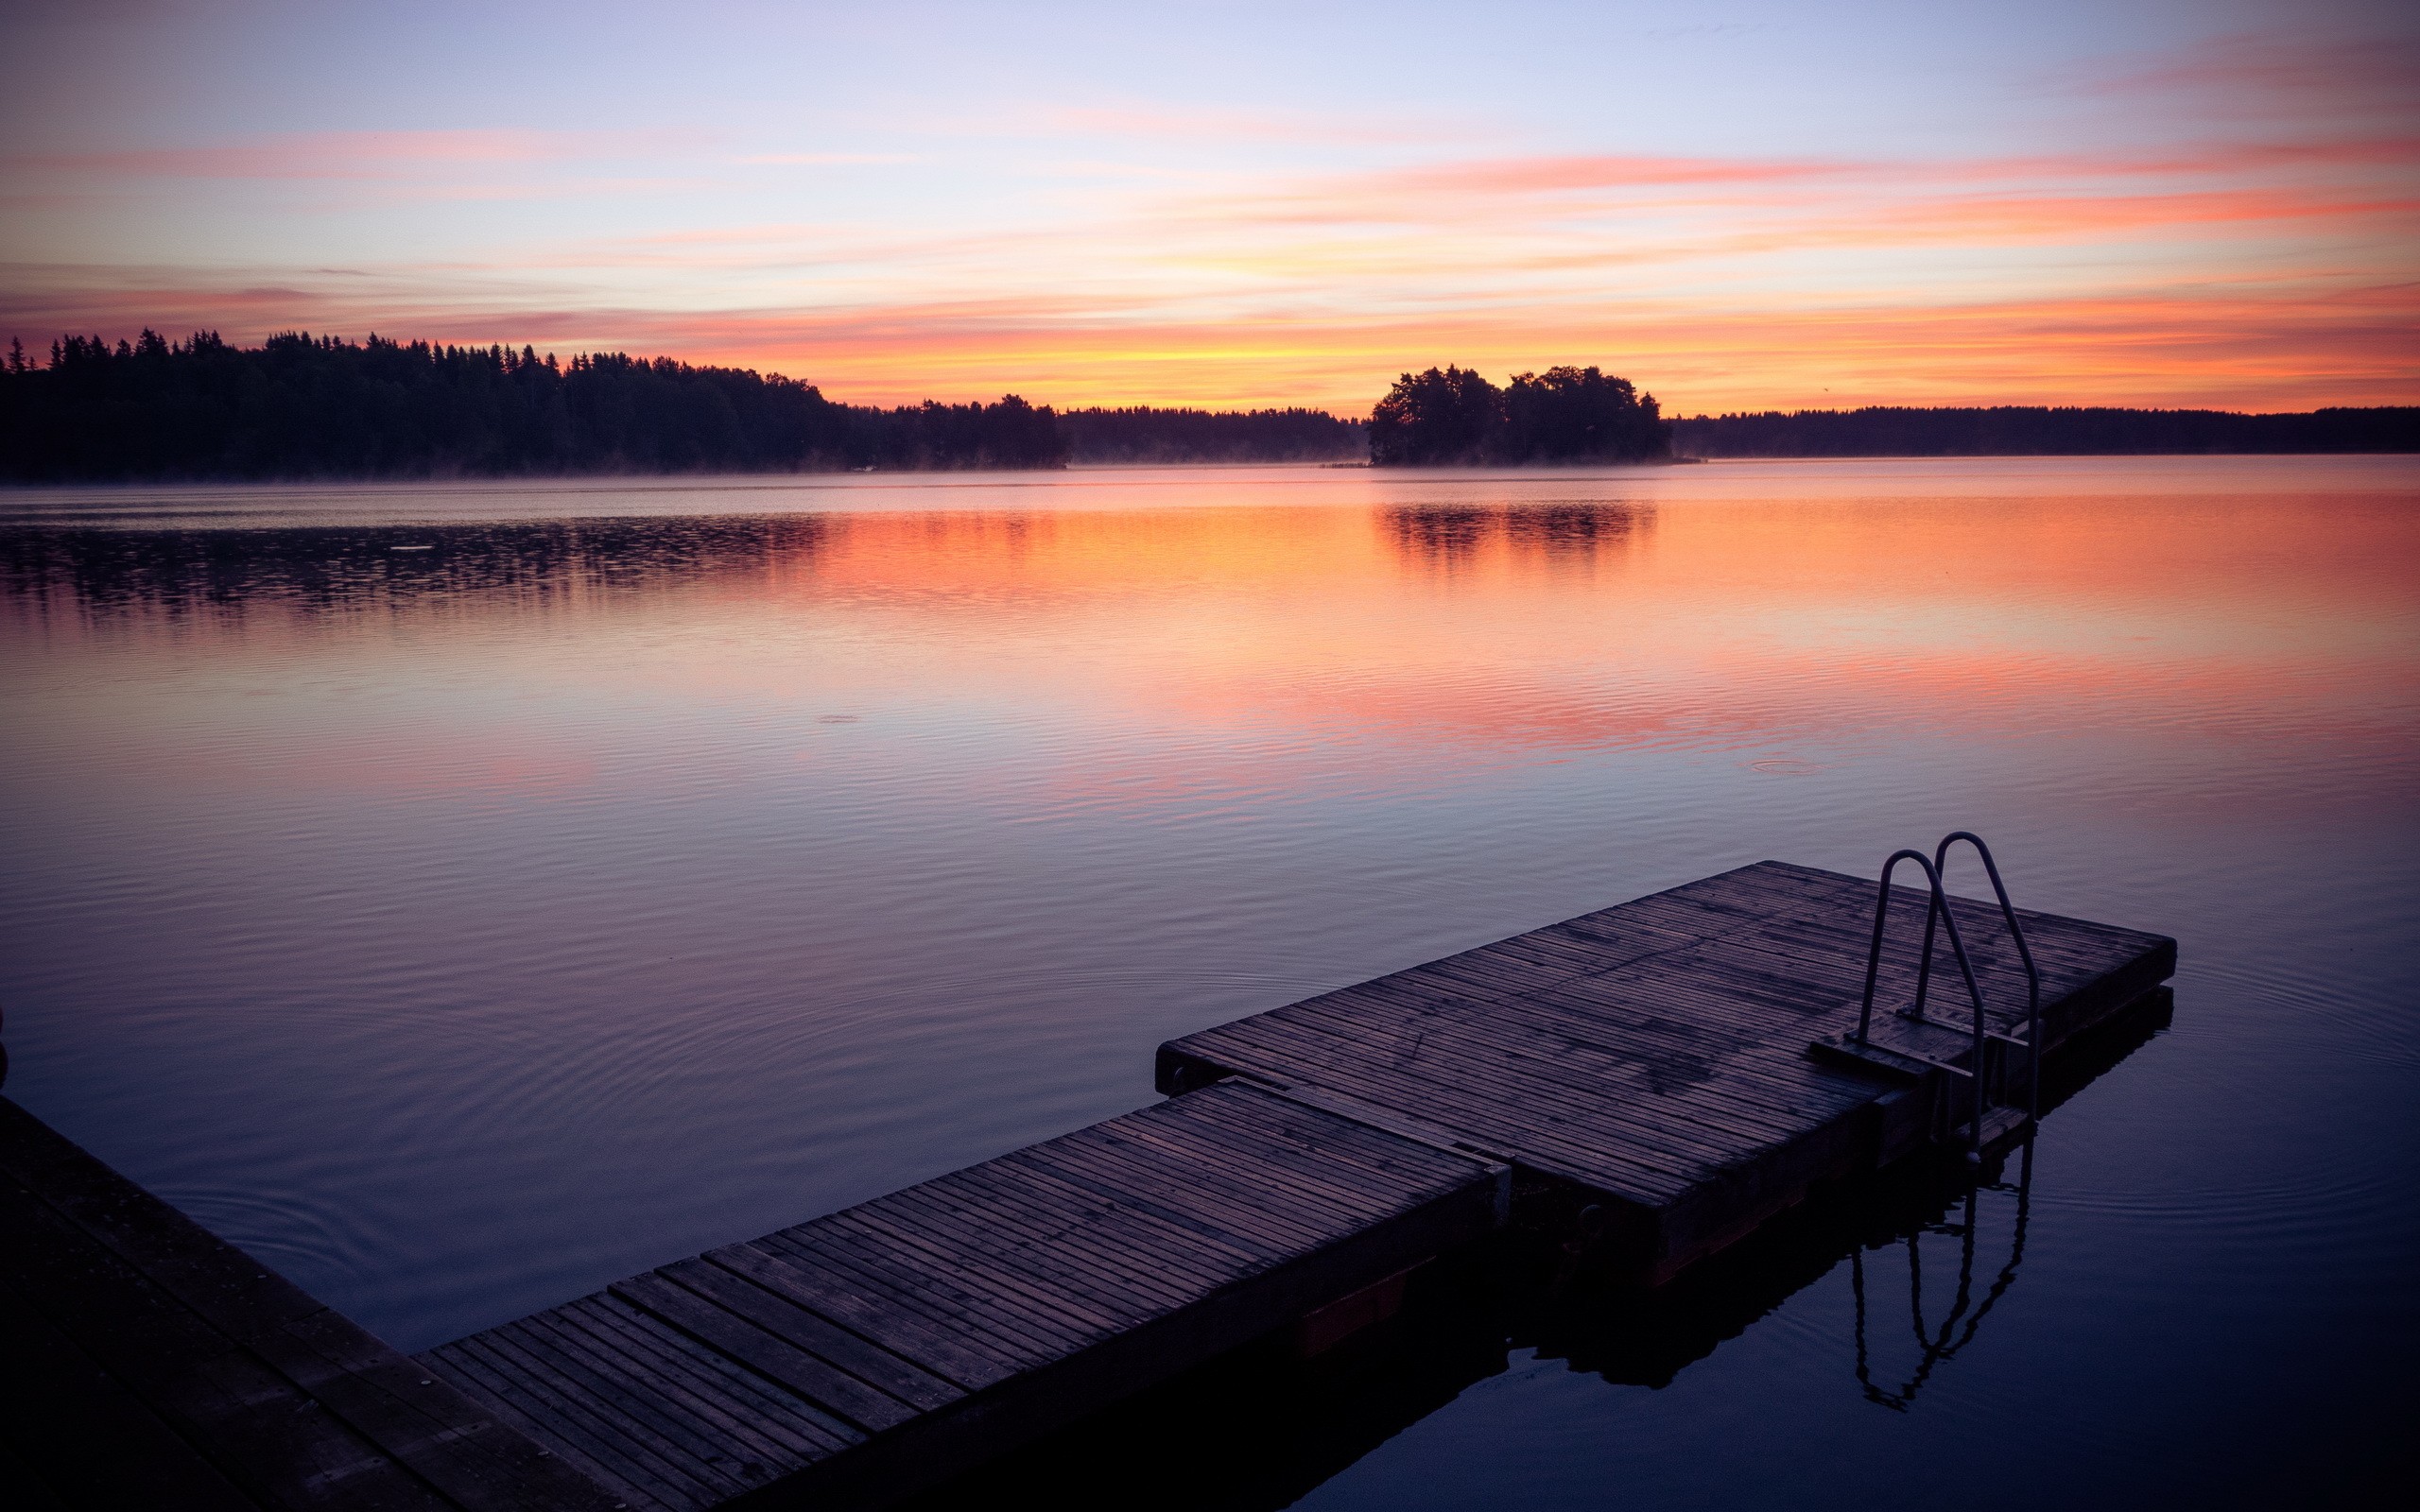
pixel 1235 1220
pixel 261 1430
pixel 823 1293
pixel 1572 1074
pixel 1362 1190
pixel 536 1406
pixel 1342 1172
pixel 420 1420
pixel 1209 1204
pixel 1008 1209
pixel 1103 1226
pixel 70 1419
pixel 566 1416
pixel 907 1279
pixel 1093 1253
pixel 717 1392
pixel 812 1332
pixel 1002 1287
pixel 935 1239
pixel 1066 1262
pixel 226 1288
pixel 224 1298
pixel 628 1427
pixel 1205 1184
pixel 937 1300
pixel 1539 1136
pixel 810 1376
pixel 1532 1047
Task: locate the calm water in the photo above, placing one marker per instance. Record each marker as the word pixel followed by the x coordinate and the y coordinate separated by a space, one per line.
pixel 463 896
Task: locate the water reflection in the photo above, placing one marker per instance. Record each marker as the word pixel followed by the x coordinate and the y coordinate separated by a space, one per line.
pixel 1935 1347
pixel 325 570
pixel 1560 531
pixel 329 569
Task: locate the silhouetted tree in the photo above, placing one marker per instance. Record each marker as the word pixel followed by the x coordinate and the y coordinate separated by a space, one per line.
pixel 1579 415
pixel 1436 419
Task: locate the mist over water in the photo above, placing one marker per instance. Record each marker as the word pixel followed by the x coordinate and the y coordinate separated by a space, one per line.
pixel 463 896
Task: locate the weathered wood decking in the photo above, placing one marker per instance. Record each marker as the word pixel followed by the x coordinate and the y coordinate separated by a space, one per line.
pixel 1654 1054
pixel 150 1364
pixel 862 1354
pixel 1652 1060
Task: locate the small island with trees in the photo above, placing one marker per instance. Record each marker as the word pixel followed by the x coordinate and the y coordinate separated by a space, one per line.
pixel 1454 417
pixel 299 406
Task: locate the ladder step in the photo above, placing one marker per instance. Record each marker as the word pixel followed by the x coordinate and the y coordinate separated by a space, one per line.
pixel 1904 1065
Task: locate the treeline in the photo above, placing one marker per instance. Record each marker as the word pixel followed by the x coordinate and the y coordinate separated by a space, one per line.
pixel 1454 415
pixel 300 406
pixel 315 406
pixel 1142 435
pixel 2012 430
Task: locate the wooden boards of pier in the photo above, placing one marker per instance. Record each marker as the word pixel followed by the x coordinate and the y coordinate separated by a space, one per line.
pixel 1653 1057
pixel 149 1364
pixel 862 1354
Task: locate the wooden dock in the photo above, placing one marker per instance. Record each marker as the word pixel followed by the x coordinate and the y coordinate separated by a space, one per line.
pixel 1656 1074
pixel 1653 1058
pixel 150 1364
pixel 861 1355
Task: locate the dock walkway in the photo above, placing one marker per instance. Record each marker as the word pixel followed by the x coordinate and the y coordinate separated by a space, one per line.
pixel 885 1345
pixel 150 1364
pixel 1662 1063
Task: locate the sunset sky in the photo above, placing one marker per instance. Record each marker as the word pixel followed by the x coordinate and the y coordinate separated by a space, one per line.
pixel 1745 206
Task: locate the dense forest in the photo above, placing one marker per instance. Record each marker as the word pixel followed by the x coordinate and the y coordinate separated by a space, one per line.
pixel 316 407
pixel 1454 415
pixel 1142 435
pixel 2029 430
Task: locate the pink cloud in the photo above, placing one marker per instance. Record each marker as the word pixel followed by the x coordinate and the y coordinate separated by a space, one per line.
pixel 2257 72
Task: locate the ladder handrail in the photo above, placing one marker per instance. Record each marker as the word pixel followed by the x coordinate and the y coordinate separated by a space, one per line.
pixel 1937 907
pixel 2023 953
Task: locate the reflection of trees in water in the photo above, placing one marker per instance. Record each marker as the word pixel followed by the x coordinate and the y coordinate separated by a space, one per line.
pixel 338 569
pixel 1287 1425
pixel 1448 535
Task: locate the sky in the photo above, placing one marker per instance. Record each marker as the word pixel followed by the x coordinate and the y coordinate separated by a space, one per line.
pixel 1737 206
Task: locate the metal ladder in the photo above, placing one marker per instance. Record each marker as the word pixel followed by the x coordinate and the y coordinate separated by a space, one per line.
pixel 1986 1069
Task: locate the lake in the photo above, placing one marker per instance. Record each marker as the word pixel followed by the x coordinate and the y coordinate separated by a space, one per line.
pixel 460 896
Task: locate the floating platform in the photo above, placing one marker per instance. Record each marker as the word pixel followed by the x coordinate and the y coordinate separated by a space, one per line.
pixel 1665 1075
pixel 1653 1058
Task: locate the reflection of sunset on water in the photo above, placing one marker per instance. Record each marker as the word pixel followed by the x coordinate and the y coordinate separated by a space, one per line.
pixel 1221 647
